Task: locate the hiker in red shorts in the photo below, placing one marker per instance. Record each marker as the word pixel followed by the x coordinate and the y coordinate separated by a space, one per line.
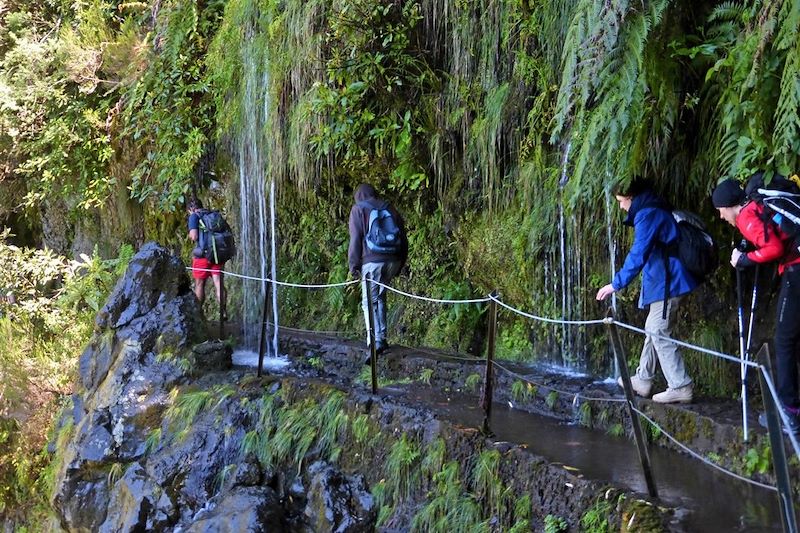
pixel 202 267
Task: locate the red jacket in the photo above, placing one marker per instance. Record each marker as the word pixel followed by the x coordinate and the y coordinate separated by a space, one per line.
pixel 771 243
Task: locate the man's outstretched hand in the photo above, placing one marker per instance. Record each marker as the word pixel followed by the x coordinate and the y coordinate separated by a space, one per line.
pixel 605 292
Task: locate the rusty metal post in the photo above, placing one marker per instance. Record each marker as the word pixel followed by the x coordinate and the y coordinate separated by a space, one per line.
pixel 262 338
pixel 373 359
pixel 488 382
pixel 641 445
pixel 779 462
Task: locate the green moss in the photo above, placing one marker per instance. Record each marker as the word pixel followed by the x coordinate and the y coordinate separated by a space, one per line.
pixel 640 516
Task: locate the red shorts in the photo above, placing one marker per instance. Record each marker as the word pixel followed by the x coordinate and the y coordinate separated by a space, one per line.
pixel 206 265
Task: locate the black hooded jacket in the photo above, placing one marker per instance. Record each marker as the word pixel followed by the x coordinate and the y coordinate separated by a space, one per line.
pixel 357 253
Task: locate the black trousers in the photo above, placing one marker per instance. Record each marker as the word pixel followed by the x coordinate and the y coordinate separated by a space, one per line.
pixel 787 335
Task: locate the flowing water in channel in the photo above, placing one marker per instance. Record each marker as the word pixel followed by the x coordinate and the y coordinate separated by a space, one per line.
pixel 716 502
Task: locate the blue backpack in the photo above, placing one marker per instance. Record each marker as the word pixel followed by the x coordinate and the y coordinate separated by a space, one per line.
pixel 383 235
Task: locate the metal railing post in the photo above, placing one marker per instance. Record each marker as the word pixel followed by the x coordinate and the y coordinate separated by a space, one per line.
pixel 373 360
pixel 779 463
pixel 221 307
pixel 488 382
pixel 641 445
pixel 262 340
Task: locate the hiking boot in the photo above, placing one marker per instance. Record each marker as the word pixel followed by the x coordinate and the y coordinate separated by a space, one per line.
pixel 640 386
pixel 794 423
pixel 381 347
pixel 679 395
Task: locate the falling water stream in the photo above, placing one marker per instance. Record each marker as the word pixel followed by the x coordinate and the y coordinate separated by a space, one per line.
pixel 253 230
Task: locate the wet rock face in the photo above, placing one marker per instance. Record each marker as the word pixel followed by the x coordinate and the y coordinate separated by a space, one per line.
pixel 126 374
pixel 244 510
pixel 339 503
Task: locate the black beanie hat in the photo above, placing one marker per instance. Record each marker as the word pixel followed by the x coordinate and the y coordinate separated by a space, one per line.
pixel 728 194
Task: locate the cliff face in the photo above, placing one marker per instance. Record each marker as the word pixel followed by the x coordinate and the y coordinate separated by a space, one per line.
pixel 125 375
pixel 154 437
pixel 163 435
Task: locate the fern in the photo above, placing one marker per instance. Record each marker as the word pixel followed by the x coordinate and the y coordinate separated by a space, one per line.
pixel 602 93
pixel 787 113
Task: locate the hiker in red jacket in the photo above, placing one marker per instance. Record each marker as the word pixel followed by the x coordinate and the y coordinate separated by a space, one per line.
pixel 771 244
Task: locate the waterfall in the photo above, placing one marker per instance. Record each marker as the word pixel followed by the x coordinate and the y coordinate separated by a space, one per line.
pixel 566 289
pixel 612 255
pixel 251 147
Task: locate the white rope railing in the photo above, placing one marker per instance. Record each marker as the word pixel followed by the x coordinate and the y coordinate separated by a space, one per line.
pixel 575 395
pixel 551 388
pixel 737 360
pixel 545 319
pixel 499 302
pixel 700 457
pixel 281 283
pixel 433 300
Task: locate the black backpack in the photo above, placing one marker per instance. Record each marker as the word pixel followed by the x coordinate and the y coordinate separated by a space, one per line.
pixel 216 238
pixel 780 199
pixel 383 234
pixel 695 247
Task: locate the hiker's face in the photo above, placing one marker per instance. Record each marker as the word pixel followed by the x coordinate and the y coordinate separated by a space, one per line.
pixel 624 202
pixel 728 214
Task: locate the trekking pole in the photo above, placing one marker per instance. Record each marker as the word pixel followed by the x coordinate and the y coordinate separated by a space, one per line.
pixel 742 353
pixel 750 327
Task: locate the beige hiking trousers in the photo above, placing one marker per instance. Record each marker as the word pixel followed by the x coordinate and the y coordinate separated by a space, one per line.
pixel 658 350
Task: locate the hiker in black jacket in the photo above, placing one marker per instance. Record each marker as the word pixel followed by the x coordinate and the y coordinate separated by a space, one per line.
pixel 378 246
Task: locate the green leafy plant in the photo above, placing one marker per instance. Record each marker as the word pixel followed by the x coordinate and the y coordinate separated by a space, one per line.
pixel 596 518
pixel 757 460
pixel 555 524
pixel 402 468
pixel 426 375
pixel 585 414
pixel 616 430
pixel 551 399
pixel 152 441
pixel 472 382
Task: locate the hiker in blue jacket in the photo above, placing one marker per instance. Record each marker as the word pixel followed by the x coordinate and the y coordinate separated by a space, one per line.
pixel 654 230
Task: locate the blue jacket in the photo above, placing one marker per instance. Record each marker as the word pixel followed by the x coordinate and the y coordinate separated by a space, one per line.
pixel 653 229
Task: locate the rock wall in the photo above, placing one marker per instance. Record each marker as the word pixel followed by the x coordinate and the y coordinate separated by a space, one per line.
pixel 163 436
